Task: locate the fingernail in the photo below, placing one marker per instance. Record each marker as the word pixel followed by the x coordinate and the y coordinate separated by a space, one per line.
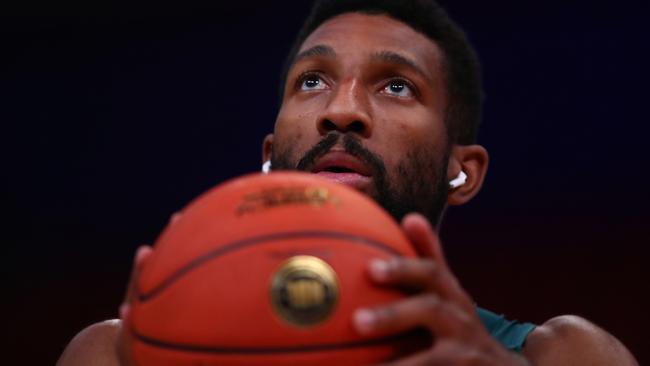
pixel 141 253
pixel 174 218
pixel 365 320
pixel 379 269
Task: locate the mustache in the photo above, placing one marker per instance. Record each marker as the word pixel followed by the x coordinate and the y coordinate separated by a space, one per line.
pixel 351 145
pixel 322 147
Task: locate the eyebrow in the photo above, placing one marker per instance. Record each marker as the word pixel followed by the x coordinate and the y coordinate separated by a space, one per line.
pixel 318 50
pixel 397 59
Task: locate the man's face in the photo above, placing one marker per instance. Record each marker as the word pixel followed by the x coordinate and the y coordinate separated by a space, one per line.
pixel 364 105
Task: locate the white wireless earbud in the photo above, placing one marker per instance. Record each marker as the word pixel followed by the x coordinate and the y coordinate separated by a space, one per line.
pixel 458 181
pixel 266 167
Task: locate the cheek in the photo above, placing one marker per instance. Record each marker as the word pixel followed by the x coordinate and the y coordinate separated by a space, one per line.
pixel 408 135
pixel 294 131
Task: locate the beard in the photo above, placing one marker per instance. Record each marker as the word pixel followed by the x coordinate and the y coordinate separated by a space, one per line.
pixel 418 183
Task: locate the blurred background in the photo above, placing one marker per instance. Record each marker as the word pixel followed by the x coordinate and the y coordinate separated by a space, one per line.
pixel 118 115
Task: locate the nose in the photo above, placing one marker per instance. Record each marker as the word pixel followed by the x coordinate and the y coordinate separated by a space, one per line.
pixel 347 110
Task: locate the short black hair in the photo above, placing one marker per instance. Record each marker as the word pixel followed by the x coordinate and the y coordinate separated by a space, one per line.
pixel 462 71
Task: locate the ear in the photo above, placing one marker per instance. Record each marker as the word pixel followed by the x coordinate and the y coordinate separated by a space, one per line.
pixel 267 148
pixel 473 160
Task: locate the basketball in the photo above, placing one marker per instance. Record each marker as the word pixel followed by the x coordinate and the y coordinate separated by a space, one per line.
pixel 267 270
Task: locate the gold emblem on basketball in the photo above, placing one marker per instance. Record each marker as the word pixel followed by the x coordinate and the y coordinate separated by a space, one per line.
pixel 304 291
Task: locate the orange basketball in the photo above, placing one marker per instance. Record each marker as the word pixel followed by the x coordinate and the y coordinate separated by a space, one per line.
pixel 267 270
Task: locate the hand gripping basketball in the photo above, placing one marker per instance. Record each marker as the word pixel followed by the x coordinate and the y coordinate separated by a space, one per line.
pixel 438 304
pixel 124 339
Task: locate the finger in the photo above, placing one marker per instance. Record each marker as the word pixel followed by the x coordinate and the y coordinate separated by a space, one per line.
pixel 443 353
pixel 124 340
pixel 419 274
pixel 141 255
pixel 424 239
pixel 419 231
pixel 411 273
pixel 418 359
pixel 174 218
pixel 124 337
pixel 427 310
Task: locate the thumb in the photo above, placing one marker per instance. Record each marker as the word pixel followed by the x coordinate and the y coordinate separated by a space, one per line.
pixel 141 255
pixel 124 337
pixel 425 240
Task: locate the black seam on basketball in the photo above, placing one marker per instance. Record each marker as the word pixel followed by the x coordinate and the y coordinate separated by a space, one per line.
pixel 144 297
pixel 270 350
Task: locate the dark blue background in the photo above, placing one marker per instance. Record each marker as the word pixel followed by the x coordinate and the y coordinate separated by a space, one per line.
pixel 119 115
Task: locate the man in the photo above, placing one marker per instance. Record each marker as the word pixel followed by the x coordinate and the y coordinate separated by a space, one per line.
pixel 385 96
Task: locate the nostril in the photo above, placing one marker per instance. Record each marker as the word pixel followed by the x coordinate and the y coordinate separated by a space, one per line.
pixel 354 126
pixel 357 126
pixel 329 125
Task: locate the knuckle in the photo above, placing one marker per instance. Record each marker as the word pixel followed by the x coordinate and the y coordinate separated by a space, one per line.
pixel 386 315
pixel 414 268
pixel 430 269
pixel 430 301
pixel 463 318
pixel 472 357
pixel 397 266
pixel 462 354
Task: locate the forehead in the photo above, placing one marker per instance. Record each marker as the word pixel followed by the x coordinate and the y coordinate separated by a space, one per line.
pixel 365 34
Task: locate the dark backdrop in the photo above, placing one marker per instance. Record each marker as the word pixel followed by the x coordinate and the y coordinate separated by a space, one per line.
pixel 119 115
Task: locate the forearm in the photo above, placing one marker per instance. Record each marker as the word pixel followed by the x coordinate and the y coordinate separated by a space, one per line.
pixel 571 340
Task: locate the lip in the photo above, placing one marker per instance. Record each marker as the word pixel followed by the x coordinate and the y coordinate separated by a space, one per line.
pixel 358 176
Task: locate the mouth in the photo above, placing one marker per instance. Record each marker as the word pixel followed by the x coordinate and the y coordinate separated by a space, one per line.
pixel 343 168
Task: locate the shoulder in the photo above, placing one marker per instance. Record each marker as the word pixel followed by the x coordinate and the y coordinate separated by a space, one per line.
pixel 93 346
pixel 572 340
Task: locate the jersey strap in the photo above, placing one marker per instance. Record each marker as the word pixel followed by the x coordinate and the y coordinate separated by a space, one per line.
pixel 510 333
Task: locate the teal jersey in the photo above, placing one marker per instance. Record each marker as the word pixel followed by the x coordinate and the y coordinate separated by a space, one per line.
pixel 511 334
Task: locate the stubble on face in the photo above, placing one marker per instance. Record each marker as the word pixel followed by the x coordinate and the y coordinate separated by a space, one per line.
pixel 403 140
pixel 417 183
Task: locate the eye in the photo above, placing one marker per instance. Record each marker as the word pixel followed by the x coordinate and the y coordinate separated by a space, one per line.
pixel 311 81
pixel 399 88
